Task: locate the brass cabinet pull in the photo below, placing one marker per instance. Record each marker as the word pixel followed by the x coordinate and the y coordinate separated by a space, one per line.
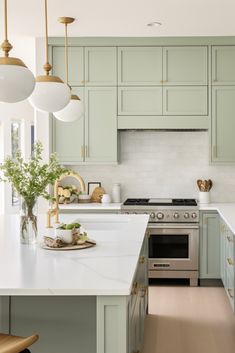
pixel 230 261
pixel 144 291
pixel 134 288
pixel 230 292
pixel 142 259
pixel 82 82
pixel 87 151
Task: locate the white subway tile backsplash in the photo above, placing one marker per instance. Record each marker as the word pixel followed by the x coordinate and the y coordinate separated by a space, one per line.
pixel 163 164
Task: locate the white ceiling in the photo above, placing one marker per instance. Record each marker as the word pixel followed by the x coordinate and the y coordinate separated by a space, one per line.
pixel 123 17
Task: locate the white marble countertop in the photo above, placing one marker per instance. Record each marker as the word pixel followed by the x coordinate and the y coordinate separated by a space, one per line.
pixel 106 269
pixel 226 211
pixel 91 206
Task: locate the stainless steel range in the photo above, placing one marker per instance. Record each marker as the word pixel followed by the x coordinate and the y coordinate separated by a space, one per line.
pixel 173 236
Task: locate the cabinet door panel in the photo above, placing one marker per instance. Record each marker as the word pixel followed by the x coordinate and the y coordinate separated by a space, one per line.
pixel 140 101
pixel 101 124
pixel 223 124
pixel 76 64
pixel 185 65
pixel 100 66
pixel 68 138
pixel 140 66
pixel 223 65
pixel 185 100
pixel 210 246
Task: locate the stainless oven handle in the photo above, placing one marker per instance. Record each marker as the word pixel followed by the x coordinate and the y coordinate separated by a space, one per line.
pixel 172 226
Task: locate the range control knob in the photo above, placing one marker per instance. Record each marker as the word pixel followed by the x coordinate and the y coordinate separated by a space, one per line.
pixel 152 215
pixel 160 215
pixel 176 215
pixel 194 215
pixel 186 215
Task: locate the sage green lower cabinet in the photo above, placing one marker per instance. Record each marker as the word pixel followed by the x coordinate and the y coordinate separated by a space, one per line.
pixel 227 262
pixel 93 138
pixel 140 101
pixel 209 246
pixel 185 100
pixel 223 125
pixel 82 324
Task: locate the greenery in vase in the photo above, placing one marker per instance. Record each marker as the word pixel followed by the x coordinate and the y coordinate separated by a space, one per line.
pixel 30 179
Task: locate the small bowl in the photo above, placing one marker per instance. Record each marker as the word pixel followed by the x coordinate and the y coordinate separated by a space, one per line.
pixel 84 198
pixel 65 235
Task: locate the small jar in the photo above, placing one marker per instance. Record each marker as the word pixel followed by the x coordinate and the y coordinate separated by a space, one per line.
pixel 204 197
pixel 116 193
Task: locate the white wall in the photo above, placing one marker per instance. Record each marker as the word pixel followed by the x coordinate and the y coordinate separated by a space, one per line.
pixel 163 164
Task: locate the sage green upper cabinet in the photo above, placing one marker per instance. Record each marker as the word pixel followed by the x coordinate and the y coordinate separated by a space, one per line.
pixel 223 124
pixel 140 100
pixel 185 65
pixel 100 66
pixel 223 65
pixel 139 66
pixel 185 100
pixel 76 64
pixel 68 138
pixel 101 124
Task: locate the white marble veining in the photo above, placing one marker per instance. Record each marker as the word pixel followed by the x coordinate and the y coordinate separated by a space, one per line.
pixel 225 210
pixel 91 206
pixel 106 269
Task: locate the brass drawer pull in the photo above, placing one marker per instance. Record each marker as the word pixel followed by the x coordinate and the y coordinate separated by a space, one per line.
pixel 230 292
pixel 144 290
pixel 82 151
pixel 142 259
pixel 230 261
pixel 134 288
pixel 86 151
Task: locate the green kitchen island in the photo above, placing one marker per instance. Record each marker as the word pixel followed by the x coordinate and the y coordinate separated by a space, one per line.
pixel 78 301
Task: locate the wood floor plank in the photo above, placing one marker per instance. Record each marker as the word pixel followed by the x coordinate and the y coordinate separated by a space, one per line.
pixel 189 320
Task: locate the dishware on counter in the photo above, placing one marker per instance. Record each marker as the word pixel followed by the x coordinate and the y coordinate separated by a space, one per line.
pixel 84 198
pixel 204 190
pixel 105 198
pixel 68 233
pixel 116 193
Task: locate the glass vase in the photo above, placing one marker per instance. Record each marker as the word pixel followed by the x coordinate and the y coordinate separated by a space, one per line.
pixel 28 221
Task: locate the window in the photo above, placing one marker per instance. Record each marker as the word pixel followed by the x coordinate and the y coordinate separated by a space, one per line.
pixel 15 145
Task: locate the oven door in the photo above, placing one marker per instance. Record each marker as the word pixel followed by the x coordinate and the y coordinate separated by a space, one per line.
pixel 173 246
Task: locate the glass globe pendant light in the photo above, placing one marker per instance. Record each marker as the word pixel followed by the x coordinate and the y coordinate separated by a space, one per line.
pixel 74 109
pixel 51 93
pixel 16 80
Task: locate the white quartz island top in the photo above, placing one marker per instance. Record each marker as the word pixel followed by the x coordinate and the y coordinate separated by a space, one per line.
pixel 226 211
pixel 90 206
pixel 105 269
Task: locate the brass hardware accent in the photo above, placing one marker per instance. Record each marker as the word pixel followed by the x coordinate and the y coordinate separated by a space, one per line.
pixel 142 259
pixel 54 211
pixel 66 20
pixel 230 261
pixel 51 78
pixel 231 293
pixel 82 82
pixel 134 288
pixel 82 152
pixel 75 97
pixel 11 61
pixel 161 81
pixel 86 151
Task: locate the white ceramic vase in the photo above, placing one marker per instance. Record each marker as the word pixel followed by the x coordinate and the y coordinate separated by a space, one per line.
pixel 204 197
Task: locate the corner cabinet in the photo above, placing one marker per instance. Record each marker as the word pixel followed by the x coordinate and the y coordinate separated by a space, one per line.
pixel 223 105
pixel 93 77
pixel 209 245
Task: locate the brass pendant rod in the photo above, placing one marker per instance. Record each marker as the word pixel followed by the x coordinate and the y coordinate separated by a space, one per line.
pixel 66 54
pixel 5 11
pixel 47 67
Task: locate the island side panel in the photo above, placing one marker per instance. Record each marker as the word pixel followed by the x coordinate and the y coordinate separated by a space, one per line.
pixel 4 314
pixel 112 324
pixel 64 323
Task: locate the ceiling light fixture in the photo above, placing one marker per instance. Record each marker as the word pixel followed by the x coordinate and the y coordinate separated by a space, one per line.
pixel 51 93
pixel 154 24
pixel 16 80
pixel 74 110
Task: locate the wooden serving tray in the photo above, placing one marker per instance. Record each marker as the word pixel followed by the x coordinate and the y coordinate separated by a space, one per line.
pixel 71 247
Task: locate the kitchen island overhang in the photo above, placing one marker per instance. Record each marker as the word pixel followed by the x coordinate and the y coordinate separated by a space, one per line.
pixel 100 290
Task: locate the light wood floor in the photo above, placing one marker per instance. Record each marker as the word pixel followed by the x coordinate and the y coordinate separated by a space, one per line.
pixel 189 320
